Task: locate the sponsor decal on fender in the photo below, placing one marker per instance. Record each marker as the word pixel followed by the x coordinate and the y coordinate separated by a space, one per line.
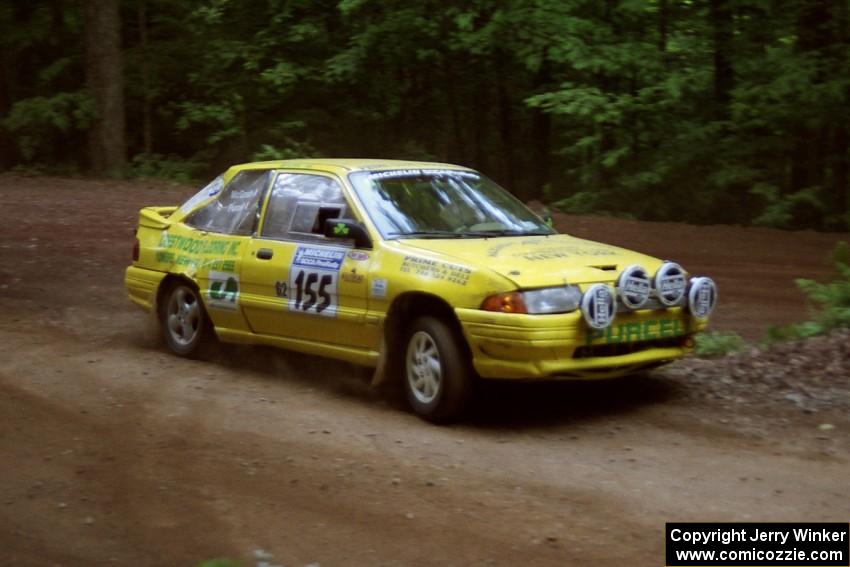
pixel 352 277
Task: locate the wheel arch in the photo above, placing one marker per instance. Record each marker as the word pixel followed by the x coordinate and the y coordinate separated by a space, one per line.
pixel 167 282
pixel 405 308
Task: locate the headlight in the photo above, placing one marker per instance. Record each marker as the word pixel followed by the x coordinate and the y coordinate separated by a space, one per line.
pixel 598 306
pixel 553 299
pixel 669 283
pixel 633 287
pixel 562 299
pixel 702 297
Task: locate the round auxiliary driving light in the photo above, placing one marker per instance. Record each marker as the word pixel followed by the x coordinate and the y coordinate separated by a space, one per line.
pixel 702 297
pixel 633 287
pixel 598 306
pixel 670 284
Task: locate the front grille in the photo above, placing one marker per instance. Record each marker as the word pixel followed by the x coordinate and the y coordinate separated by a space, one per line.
pixel 652 304
pixel 619 349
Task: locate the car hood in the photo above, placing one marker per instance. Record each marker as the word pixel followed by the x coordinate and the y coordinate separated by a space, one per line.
pixel 539 261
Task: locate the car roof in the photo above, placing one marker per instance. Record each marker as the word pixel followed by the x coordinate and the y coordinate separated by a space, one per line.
pixel 341 166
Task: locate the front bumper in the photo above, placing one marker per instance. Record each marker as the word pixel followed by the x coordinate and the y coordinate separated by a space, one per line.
pixel 505 345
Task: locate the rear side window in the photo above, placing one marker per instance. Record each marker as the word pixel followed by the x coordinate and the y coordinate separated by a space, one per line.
pixel 236 210
pixel 209 191
pixel 299 205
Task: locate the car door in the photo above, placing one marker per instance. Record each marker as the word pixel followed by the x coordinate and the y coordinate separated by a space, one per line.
pixel 296 283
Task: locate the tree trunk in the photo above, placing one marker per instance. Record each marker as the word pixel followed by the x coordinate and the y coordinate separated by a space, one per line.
pixel 840 190
pixel 480 111
pixel 454 146
pixel 841 148
pixel 541 133
pixel 507 164
pixel 147 127
pixel 663 17
pixel 107 146
pixel 6 142
pixel 722 32
pixel 811 137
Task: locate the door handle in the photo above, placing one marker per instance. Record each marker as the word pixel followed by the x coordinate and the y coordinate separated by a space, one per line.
pixel 264 254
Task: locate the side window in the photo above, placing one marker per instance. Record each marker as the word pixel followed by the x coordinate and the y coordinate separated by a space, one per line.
pixel 299 205
pixel 237 207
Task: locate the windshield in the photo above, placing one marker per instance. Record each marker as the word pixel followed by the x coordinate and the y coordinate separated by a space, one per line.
pixel 442 203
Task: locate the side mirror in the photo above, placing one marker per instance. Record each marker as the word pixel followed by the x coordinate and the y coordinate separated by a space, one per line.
pixel 348 229
pixel 547 217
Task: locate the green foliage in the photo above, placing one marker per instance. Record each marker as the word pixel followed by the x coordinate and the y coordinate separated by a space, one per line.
pixel 780 210
pixel 796 331
pixel 714 344
pixel 616 107
pixel 170 168
pixel 586 202
pixel 221 118
pixel 831 302
pixel 218 563
pixel 290 143
pixel 841 254
pixel 38 121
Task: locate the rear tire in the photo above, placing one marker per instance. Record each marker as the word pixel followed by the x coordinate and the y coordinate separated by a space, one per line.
pixel 183 320
pixel 437 371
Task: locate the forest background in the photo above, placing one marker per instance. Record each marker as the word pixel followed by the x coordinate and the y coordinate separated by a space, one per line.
pixel 705 111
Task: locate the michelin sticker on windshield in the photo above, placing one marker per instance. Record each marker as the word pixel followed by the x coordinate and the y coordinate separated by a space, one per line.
pixel 314 280
pixel 417 172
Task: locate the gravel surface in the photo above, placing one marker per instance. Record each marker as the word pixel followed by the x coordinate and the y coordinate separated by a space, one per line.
pixel 811 374
pixel 118 453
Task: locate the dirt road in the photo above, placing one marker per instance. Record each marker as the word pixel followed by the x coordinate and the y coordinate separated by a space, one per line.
pixel 115 452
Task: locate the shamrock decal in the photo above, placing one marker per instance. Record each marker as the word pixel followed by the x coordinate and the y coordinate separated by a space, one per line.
pixel 340 229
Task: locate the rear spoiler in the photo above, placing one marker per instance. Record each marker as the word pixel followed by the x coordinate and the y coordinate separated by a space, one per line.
pixel 156 217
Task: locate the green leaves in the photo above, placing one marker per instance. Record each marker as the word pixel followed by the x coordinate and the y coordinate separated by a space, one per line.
pixel 714 344
pixel 37 121
pixel 830 302
pixel 611 106
pixel 779 210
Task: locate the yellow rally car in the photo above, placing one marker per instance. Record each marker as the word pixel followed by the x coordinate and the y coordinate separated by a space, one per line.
pixel 429 272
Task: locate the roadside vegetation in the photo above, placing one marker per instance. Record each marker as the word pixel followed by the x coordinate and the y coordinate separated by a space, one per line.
pixel 713 344
pixel 830 310
pixel 830 302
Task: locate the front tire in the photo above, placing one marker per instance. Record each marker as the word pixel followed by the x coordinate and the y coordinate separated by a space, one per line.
pixel 437 370
pixel 183 320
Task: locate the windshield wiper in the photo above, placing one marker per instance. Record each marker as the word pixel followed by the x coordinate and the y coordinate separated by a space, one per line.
pixel 508 232
pixel 429 234
pixel 468 233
